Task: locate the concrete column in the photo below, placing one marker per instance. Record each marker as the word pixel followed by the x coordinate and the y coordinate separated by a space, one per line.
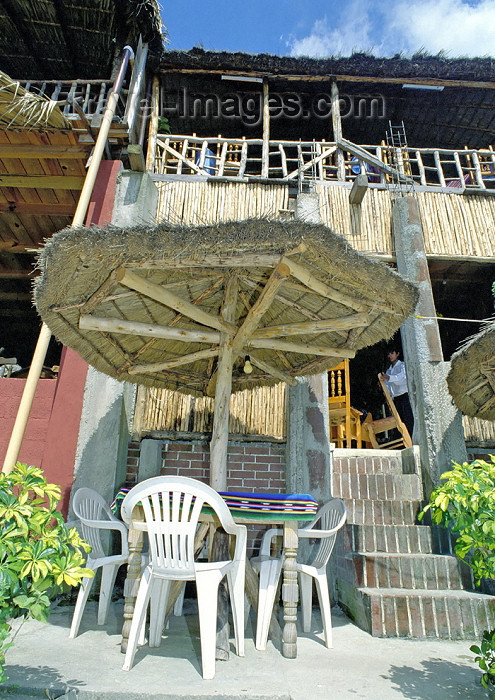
pixel 150 459
pixel 438 424
pixel 308 457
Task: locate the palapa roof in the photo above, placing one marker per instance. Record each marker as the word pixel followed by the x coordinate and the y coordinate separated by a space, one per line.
pixel 457 111
pixel 471 378
pixel 54 40
pixel 135 302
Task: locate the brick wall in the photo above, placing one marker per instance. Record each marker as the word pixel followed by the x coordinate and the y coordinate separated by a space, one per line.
pixel 251 466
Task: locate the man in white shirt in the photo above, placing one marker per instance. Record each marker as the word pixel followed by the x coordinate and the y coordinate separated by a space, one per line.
pixel 396 381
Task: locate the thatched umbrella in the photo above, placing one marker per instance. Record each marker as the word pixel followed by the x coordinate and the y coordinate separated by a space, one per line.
pixel 184 307
pixel 471 378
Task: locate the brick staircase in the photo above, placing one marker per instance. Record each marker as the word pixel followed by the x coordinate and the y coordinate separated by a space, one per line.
pixel 396 578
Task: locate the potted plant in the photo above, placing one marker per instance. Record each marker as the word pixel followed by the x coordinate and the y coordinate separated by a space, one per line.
pixel 39 555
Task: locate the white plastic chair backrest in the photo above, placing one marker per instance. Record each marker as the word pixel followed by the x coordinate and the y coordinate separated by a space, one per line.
pixel 328 521
pixel 95 515
pixel 171 507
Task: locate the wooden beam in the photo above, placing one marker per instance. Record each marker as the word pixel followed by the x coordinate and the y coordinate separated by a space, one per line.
pixel 261 305
pixel 266 131
pixel 15 247
pixel 250 260
pixel 176 362
pixel 116 325
pixel 316 285
pixel 301 348
pixel 167 298
pixel 136 157
pixel 341 77
pixel 38 208
pixel 27 150
pixel 43 182
pixel 274 371
pixel 359 189
pixel 223 390
pixel 337 129
pixel 342 323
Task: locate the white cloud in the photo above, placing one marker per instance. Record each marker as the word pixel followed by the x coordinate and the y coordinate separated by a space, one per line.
pixel 454 26
pixel 461 28
pixel 351 32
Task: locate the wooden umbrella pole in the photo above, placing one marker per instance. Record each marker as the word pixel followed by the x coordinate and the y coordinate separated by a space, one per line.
pixel 26 400
pixel 223 390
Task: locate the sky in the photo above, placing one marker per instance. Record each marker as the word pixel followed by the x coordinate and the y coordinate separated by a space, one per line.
pixel 320 28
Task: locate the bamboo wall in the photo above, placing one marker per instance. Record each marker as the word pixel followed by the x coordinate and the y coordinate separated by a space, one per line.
pixel 479 432
pixel 257 411
pixel 197 203
pixel 453 224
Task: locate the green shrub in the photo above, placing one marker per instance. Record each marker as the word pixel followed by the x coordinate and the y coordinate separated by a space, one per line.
pixel 465 503
pixel 39 555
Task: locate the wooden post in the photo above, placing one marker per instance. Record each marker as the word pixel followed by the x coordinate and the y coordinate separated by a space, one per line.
pixel 27 400
pixel 153 130
pixel 290 591
pixel 266 131
pixel 337 130
pixel 220 434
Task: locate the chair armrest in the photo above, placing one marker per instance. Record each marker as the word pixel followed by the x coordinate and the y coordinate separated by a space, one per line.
pixel 319 533
pixel 266 542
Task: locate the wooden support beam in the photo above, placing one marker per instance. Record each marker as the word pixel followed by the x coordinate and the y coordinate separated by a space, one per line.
pixel 103 291
pixel 269 369
pixel 151 330
pixel 38 208
pixel 15 247
pixel 316 285
pixel 223 390
pixel 265 150
pixel 301 348
pixel 176 362
pixel 359 189
pixel 167 298
pixel 334 324
pixel 136 157
pixel 224 261
pixel 337 129
pixel 43 182
pixel 42 152
pixel 261 305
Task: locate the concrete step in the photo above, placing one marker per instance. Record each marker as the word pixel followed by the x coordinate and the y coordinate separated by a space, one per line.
pixel 423 571
pixel 382 463
pixel 409 539
pixel 365 511
pixel 446 614
pixel 381 486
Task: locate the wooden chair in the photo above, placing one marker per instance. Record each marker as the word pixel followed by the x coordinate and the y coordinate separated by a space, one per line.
pixel 371 428
pixel 345 421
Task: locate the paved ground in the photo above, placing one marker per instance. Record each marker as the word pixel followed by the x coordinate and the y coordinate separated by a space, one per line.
pixel 358 666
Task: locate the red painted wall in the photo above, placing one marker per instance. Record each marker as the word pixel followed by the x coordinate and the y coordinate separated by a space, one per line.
pixel 50 439
pixel 34 437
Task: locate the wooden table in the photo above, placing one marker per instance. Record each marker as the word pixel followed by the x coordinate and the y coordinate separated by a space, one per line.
pixel 289 587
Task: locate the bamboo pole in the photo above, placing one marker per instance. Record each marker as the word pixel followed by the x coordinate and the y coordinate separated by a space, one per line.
pixel 266 130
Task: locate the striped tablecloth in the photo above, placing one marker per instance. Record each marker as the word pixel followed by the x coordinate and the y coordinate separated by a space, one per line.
pixel 290 506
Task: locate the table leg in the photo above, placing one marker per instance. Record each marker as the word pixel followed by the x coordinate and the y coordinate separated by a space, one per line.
pixel 131 584
pixel 290 590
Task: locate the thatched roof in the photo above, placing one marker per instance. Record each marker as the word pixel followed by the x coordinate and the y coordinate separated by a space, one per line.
pixel 53 40
pixel 421 65
pixel 457 111
pixel 20 108
pixel 471 379
pixel 92 272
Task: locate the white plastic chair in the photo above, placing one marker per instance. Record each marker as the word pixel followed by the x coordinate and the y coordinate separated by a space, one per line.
pixel 94 516
pixel 172 506
pixel 327 522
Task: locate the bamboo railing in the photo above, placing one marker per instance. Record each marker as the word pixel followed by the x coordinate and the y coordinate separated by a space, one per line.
pixel 242 159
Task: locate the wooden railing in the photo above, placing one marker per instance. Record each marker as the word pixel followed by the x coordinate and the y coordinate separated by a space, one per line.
pixel 242 159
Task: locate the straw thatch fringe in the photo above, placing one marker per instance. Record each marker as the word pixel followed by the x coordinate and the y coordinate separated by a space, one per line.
pixel 19 108
pixel 471 379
